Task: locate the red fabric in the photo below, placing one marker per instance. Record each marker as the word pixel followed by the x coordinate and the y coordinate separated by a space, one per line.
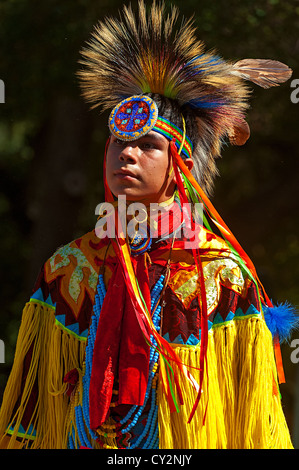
pixel 120 349
pixel 133 357
pixel 71 378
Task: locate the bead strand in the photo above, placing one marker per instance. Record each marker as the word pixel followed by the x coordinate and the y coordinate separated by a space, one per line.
pixel 140 408
pixel 155 439
pixel 154 356
pixel 153 432
pixel 70 442
pixel 150 432
pixel 148 422
pixel 82 411
pixel 154 418
pixel 72 438
pixel 81 428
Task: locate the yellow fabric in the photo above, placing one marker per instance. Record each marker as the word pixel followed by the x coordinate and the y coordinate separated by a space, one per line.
pixel 55 353
pixel 242 412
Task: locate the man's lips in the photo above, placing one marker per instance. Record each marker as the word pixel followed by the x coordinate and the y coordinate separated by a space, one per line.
pixel 124 173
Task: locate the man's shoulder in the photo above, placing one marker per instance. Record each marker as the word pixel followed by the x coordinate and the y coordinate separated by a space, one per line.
pixel 215 250
pixel 212 245
pixel 68 280
pixel 85 251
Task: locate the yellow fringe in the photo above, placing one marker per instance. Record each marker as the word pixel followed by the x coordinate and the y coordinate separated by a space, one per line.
pixel 242 412
pixel 260 420
pixel 55 352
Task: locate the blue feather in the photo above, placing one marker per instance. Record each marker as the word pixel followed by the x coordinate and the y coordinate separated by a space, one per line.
pixel 282 320
pixel 210 61
pixel 205 103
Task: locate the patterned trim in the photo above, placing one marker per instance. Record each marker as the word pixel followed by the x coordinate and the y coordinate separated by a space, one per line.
pixel 45 304
pixel 170 131
pixel 218 321
pixel 71 329
pixel 30 434
pixel 38 297
pixel 237 318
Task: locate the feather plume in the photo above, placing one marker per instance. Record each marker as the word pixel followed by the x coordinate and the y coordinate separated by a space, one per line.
pixel 282 320
pixel 263 72
pixel 146 55
pixel 151 53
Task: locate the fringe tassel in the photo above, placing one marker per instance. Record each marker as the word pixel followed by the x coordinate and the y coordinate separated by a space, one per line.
pixel 174 432
pixel 29 335
pixel 260 420
pixel 243 411
pixel 54 353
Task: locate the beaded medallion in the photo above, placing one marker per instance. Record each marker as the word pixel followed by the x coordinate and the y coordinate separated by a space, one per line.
pixel 140 243
pixel 133 117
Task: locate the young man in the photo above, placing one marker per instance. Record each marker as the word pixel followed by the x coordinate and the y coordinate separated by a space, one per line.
pixel 153 337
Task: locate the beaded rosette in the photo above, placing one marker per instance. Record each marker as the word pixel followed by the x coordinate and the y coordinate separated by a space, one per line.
pixel 133 118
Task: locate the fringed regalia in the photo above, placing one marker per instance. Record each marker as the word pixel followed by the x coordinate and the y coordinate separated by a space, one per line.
pixel 155 342
pixel 46 398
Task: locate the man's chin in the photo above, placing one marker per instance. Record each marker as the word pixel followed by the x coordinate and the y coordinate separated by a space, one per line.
pixel 141 198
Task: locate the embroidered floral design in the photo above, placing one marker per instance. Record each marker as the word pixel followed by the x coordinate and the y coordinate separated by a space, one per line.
pixel 78 275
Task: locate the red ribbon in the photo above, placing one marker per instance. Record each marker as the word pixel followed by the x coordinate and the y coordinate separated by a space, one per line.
pixel 202 298
pixel 120 349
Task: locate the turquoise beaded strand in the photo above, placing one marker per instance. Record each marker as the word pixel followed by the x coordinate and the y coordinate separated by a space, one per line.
pixel 82 412
pixel 150 431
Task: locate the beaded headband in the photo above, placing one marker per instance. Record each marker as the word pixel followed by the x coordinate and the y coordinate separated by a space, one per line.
pixel 137 115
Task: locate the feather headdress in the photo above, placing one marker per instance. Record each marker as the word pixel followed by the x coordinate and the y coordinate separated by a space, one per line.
pixel 151 54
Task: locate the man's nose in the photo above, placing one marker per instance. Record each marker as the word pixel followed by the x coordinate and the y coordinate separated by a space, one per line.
pixel 129 153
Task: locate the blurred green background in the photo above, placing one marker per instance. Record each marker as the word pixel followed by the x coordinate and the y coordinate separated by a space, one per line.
pixel 51 148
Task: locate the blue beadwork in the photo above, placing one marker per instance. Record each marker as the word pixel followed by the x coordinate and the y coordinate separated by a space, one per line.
pixel 82 411
pixel 148 438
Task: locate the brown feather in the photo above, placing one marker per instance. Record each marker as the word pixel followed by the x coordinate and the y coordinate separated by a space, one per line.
pixel 262 72
pixel 239 134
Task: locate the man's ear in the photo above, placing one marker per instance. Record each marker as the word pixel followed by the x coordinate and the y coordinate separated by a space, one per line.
pixel 189 164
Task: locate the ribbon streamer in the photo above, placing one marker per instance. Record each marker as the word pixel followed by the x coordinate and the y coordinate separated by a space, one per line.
pixel 167 353
pixel 197 193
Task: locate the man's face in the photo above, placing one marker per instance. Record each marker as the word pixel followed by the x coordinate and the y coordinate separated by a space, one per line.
pixel 140 169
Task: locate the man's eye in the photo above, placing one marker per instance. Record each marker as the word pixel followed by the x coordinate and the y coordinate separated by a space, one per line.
pixel 148 145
